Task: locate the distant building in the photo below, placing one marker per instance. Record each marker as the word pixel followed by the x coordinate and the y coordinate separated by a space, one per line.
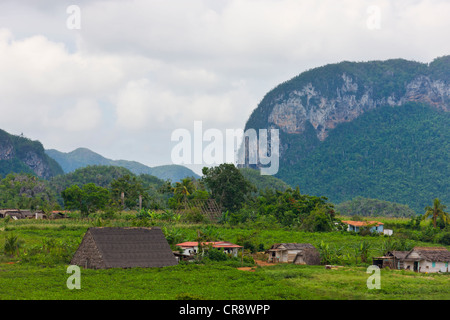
pixel 356 226
pixel 419 259
pixel 297 253
pixel 191 248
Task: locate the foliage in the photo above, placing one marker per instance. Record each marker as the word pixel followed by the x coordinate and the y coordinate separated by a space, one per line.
pixel 88 199
pixel 395 154
pixel 437 211
pixel 25 191
pixel 374 207
pixel 227 186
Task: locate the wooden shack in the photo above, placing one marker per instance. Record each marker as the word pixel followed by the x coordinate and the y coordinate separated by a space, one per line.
pixel 103 248
pixel 297 253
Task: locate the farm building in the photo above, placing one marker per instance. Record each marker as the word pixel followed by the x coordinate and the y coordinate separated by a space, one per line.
pixel 432 259
pixel 356 226
pixel 21 214
pixel 297 253
pixel 103 248
pixel 419 259
pixel 13 213
pixel 392 260
pixel 191 248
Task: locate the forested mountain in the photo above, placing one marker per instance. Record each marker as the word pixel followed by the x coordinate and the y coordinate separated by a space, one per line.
pixel 83 157
pixel 20 154
pixel 376 129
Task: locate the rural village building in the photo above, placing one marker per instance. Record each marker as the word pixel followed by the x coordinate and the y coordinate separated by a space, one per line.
pixel 191 248
pixel 103 248
pixel 419 259
pixel 375 226
pixel 297 253
pixel 17 214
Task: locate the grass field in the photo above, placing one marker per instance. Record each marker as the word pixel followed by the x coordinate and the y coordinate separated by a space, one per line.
pixel 39 270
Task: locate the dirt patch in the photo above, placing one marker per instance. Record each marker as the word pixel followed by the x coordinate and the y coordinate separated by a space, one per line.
pixel 264 263
pixel 251 269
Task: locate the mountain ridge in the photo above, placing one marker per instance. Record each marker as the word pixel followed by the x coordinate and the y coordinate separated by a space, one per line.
pixel 309 109
pixel 82 157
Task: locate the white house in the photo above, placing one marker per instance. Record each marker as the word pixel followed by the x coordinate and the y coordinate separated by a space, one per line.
pixel 431 259
pixel 375 226
pixel 191 248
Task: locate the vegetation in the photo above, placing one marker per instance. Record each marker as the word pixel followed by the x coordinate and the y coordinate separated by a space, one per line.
pixel 374 208
pixel 20 150
pixel 373 158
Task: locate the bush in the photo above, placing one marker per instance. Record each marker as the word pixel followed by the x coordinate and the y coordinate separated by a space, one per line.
pixel 445 238
pixel 194 215
pixel 216 255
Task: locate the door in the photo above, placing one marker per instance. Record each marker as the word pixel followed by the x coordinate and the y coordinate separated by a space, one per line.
pixel 416 266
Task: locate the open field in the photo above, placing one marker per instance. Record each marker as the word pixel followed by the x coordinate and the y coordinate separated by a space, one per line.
pixel 39 270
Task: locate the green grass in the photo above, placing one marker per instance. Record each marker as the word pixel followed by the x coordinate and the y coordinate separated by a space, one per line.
pixel 216 282
pixel 39 270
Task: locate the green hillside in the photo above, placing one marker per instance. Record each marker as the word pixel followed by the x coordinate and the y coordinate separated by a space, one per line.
pixel 23 155
pixel 396 154
pixel 83 157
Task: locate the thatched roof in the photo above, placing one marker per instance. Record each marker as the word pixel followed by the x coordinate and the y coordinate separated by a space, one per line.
pixel 124 248
pixel 398 254
pixel 292 246
pixel 436 254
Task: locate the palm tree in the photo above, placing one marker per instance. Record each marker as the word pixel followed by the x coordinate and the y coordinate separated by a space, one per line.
pixel 436 211
pixel 185 187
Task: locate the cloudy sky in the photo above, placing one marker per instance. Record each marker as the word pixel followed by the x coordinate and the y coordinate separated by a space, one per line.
pixel 119 77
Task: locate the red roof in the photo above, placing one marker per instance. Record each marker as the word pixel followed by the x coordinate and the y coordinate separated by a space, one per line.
pixel 363 223
pixel 215 244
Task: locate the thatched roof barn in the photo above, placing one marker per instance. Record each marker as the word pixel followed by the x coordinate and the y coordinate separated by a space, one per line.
pixel 297 253
pixel 103 248
pixel 427 259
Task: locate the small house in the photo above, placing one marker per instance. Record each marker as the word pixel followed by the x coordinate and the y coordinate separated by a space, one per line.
pixel 13 213
pixel 297 253
pixel 427 259
pixel 114 247
pixel 356 226
pixel 393 260
pixel 192 248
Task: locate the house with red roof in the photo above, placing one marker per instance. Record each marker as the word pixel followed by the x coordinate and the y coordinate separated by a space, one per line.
pixel 356 226
pixel 191 248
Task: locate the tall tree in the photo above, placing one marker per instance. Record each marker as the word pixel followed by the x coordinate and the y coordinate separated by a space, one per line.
pixel 436 211
pixel 87 199
pixel 227 185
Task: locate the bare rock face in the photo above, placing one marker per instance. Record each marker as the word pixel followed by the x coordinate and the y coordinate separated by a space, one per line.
pixel 6 151
pixel 324 113
pixel 36 163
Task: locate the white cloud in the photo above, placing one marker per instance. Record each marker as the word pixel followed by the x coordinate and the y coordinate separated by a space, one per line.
pixel 137 70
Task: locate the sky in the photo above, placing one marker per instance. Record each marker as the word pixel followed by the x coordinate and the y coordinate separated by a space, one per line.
pixel 119 77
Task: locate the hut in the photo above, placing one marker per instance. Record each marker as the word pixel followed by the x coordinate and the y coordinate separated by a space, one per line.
pixel 393 260
pixel 13 213
pixel 427 259
pixel 297 253
pixel 114 247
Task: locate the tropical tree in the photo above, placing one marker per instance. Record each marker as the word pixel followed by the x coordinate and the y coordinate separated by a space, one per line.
pixel 436 211
pixel 227 185
pixel 87 199
pixel 184 188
